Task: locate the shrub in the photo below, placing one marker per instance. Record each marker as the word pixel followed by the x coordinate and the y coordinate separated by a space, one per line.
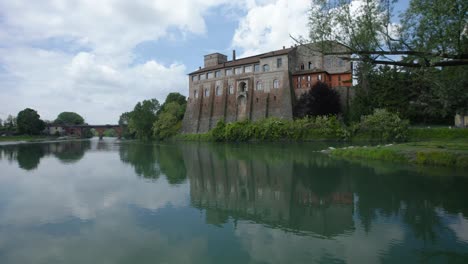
pixel 383 126
pixel 238 131
pixel 218 133
pixel 273 129
pixel 270 129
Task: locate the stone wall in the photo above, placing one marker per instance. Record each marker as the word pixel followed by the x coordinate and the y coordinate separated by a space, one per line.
pixel 206 106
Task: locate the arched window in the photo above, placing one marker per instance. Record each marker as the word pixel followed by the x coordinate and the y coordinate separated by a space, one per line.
pixel 242 87
pixel 219 91
pixel 231 89
pixel 259 85
pixel 207 92
pixel 266 67
pixel 276 84
pixel 302 66
pixel 310 65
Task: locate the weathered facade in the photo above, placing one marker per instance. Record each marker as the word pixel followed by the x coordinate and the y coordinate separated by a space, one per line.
pixel 260 86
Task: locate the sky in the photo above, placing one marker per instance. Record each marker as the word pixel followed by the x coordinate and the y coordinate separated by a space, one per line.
pixel 99 58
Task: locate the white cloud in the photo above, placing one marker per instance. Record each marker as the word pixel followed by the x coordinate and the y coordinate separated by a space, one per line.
pixel 91 70
pixel 100 89
pixel 269 24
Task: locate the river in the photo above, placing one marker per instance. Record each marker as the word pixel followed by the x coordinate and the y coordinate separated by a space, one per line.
pixel 106 201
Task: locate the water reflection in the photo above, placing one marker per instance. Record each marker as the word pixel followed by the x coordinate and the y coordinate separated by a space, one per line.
pixel 29 156
pixel 150 161
pixel 296 189
pixel 269 189
pixel 280 203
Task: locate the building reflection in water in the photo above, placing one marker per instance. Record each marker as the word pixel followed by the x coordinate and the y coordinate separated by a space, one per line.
pixel 281 192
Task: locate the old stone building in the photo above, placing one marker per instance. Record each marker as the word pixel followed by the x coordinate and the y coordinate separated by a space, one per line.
pixel 256 87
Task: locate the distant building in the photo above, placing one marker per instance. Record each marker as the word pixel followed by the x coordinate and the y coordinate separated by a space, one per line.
pixel 54 129
pixel 261 86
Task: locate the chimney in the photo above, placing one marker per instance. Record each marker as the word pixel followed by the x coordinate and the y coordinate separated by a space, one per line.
pixel 233 55
pixel 199 67
pixel 284 47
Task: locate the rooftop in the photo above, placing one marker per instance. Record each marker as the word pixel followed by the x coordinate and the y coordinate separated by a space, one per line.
pixel 242 61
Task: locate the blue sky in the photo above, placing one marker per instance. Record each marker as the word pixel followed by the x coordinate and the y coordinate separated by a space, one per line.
pixel 99 58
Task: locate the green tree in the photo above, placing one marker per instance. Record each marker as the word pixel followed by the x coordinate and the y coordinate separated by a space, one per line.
pixel 168 122
pixel 142 118
pixel 10 124
pixel 124 120
pixel 174 97
pixel 69 118
pixel 29 122
pixel 169 118
pixel 433 32
pixel 318 101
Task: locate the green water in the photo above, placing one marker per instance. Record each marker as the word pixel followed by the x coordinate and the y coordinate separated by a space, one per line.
pixel 126 202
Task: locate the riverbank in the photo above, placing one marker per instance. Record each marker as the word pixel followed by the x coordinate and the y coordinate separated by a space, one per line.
pixel 414 134
pixel 25 138
pixel 31 139
pixel 453 153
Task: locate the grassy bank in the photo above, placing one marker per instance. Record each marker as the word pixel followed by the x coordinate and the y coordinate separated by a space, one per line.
pixel 24 138
pixel 438 153
pixel 312 134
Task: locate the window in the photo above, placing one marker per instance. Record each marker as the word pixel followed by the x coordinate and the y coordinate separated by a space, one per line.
pixel 238 70
pixel 195 93
pixel 219 91
pixel 298 82
pixel 319 77
pixel 217 74
pixel 339 78
pixel 248 68
pixel 276 84
pixel 242 87
pixel 308 78
pixel 266 67
pixel 256 67
pixel 310 65
pixel 207 92
pixel 302 66
pixel 210 75
pixel 231 89
pixel 279 62
pixel 259 86
pixel 195 78
pixel 228 72
pixel 202 76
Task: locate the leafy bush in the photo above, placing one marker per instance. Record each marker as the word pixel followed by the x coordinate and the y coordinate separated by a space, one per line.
pixel 273 129
pixel 383 126
pixel 218 133
pixel 238 131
